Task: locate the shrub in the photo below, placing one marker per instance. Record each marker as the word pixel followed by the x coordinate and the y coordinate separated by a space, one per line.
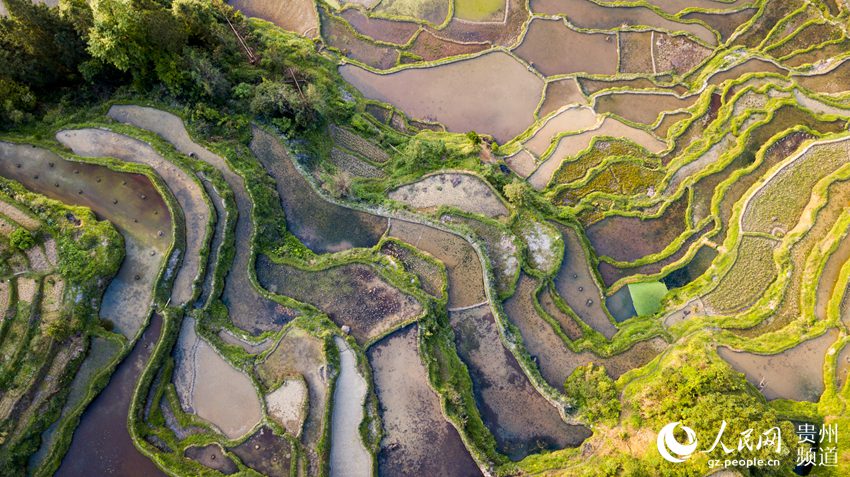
pixel 593 393
pixel 21 239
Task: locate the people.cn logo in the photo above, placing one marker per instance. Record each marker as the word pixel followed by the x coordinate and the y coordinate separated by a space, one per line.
pixel 670 448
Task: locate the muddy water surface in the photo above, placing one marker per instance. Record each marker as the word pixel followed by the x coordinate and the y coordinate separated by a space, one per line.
pixel 461 95
pixel 417 438
pixel 101 444
pixel 349 456
pixel 322 226
pixel 501 388
pixel 211 387
pixel 128 201
pixel 796 373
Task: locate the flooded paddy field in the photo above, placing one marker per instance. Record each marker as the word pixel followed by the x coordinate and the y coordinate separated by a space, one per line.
pixel 726 23
pixel 459 95
pixel 826 289
pixel 698 265
pixel 298 16
pixel 338 34
pixel 465 275
pixel 522 163
pixel 431 47
pixel 353 295
pixel 591 53
pixel 620 305
pixel 630 238
pixel 300 354
pixel 102 444
pixel 189 194
pixel 128 201
pixel 418 440
pixel 570 119
pixel 348 454
pixel 248 309
pixel 560 93
pixel 636 52
pixel 500 246
pixel 212 456
pixel 501 387
pixel 212 388
pixel 587 14
pixel 566 323
pixel 388 31
pixel 322 226
pixel 577 286
pixel 640 108
pixel 464 191
pixel 833 82
pixel 610 273
pixel 796 373
pixel 266 453
pixel 754 65
pixel 549 352
pixel 430 273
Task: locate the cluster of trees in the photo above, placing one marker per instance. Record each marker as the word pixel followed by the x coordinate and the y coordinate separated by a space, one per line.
pixel 200 53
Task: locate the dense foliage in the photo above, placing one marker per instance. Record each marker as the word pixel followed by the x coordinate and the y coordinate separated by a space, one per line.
pixel 593 394
pixel 201 54
pixel 699 390
pixel 21 239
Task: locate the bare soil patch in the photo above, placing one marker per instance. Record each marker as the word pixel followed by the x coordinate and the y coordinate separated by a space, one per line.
pixel 464 191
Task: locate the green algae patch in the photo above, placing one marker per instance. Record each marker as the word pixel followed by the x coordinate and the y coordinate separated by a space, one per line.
pixel 480 10
pixel 646 297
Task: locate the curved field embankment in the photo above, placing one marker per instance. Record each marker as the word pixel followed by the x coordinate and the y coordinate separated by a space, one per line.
pixel 248 309
pixel 188 192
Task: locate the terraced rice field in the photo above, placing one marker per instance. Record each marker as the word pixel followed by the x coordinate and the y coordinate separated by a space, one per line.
pixel 431 237
pixel 501 386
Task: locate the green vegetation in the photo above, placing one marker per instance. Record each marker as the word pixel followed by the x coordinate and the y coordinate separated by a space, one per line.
pixel 646 297
pixel 727 178
pixel 594 394
pixel 479 10
pixel 21 239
